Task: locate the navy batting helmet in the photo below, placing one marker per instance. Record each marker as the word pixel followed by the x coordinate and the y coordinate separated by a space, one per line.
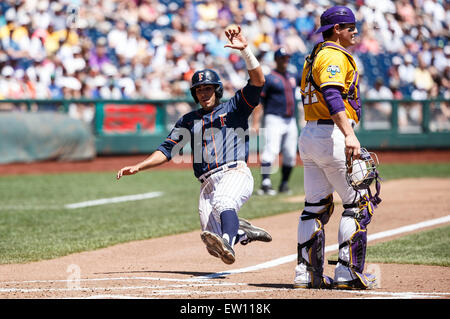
pixel 280 53
pixel 206 76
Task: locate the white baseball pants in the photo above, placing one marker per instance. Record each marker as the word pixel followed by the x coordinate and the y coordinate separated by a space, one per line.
pixel 224 190
pixel 280 134
pixel 322 150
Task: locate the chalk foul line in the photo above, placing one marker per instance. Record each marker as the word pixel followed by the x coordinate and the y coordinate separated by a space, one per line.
pixel 111 200
pixel 202 281
pixel 330 248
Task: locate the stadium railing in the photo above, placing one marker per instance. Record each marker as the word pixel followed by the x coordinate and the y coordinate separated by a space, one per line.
pixel 139 126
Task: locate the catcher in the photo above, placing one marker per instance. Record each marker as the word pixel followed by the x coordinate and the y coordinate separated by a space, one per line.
pixel 219 140
pixel 330 93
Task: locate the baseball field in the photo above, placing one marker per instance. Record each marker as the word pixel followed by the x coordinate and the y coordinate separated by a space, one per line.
pixel 71 230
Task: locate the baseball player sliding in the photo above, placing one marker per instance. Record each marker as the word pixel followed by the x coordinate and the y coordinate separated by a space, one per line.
pixel 219 140
pixel 330 93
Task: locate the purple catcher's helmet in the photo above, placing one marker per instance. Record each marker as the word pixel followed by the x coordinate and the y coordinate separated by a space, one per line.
pixel 335 15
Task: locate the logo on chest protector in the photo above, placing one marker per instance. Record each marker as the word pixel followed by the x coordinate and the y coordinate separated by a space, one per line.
pixel 333 69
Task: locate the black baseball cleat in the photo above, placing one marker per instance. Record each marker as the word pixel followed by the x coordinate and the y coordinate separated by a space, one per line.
pixel 218 247
pixel 253 233
pixel 284 189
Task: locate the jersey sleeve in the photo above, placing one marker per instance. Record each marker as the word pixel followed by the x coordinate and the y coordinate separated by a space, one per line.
pixel 178 136
pixel 330 69
pixel 265 88
pixel 247 98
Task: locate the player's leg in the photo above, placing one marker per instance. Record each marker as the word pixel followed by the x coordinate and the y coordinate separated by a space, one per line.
pixel 208 222
pixel 219 231
pixel 272 143
pixel 352 235
pixel 315 147
pixel 232 191
pixel 311 232
pixel 289 151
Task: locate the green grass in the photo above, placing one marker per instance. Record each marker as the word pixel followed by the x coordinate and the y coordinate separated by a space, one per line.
pixel 34 224
pixel 427 248
pixel 424 248
pixel 395 171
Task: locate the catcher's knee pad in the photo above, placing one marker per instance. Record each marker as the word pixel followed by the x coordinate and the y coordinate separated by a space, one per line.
pixel 311 251
pixel 322 214
pixel 353 242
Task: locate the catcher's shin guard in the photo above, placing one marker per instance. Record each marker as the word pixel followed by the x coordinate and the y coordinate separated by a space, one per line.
pixel 311 246
pixel 352 247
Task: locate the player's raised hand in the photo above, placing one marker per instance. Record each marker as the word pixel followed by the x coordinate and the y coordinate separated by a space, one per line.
pixel 234 35
pixel 128 170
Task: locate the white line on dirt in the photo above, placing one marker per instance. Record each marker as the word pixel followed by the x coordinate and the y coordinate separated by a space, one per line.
pixel 110 297
pixel 172 290
pixel 159 288
pixel 273 263
pixel 195 279
pixel 400 295
pixel 120 199
pixel 375 295
pixel 330 248
pixel 154 294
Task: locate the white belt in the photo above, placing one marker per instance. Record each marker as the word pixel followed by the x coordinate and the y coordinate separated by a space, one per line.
pixel 224 168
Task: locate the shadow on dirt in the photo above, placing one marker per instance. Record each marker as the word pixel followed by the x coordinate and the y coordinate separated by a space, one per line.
pixel 269 285
pixel 189 273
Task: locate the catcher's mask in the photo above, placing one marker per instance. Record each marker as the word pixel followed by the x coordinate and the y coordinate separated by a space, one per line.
pixel 206 76
pixel 360 173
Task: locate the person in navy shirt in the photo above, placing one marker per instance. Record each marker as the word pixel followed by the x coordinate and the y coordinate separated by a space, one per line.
pixel 280 124
pixel 218 137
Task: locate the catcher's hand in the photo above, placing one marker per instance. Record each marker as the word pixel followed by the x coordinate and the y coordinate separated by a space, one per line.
pixel 352 147
pixel 234 35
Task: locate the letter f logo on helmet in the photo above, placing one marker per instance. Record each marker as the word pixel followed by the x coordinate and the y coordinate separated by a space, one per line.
pixel 206 76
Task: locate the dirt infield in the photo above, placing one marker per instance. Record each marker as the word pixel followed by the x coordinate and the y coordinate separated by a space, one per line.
pixel 178 266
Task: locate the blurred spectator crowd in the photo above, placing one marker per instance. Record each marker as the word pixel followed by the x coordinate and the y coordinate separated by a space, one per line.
pixel 129 49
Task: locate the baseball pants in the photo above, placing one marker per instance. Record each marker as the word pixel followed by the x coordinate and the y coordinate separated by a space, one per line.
pixel 281 135
pixel 322 150
pixel 227 189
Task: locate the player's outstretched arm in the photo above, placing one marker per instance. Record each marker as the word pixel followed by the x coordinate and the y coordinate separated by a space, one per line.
pixel 155 159
pixel 239 42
